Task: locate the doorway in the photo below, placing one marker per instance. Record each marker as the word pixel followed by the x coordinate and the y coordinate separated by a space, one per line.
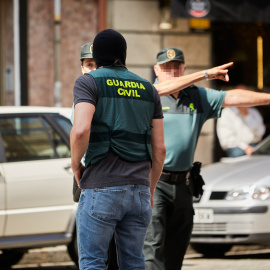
pixel 241 43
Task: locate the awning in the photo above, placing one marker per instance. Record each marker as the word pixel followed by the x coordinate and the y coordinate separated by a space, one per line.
pixel 223 10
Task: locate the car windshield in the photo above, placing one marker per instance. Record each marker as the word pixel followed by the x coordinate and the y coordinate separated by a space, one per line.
pixel 264 148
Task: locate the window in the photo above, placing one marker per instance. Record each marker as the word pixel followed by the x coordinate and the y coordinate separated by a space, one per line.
pixel 64 123
pixel 31 138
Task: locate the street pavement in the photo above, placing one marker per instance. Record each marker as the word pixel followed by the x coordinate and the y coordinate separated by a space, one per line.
pixel 240 258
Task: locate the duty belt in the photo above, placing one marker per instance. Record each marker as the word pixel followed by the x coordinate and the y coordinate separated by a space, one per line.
pixel 174 177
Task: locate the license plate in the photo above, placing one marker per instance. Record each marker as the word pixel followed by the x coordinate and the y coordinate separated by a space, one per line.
pixel 204 216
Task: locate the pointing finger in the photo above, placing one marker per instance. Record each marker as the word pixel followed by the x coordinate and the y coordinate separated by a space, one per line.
pixel 226 65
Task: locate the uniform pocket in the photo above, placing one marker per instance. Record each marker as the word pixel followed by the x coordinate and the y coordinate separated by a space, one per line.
pixel 146 209
pixel 106 203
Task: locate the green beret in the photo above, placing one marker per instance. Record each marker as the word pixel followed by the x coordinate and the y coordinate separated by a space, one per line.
pixel 87 50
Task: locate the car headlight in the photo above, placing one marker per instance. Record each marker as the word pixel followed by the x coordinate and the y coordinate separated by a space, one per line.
pixel 240 193
pixel 261 193
pixel 251 192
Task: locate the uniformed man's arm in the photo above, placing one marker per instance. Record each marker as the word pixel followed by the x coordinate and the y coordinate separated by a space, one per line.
pixel 79 136
pixel 245 98
pixel 175 84
pixel 158 154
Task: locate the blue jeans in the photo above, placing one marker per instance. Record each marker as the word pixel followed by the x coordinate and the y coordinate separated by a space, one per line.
pixel 125 210
pixel 235 152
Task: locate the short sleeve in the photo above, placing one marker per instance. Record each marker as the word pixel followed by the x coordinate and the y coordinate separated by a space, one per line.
pixel 158 114
pixel 85 90
pixel 212 101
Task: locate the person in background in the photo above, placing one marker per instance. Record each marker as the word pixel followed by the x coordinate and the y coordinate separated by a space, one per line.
pixel 185 112
pixel 240 129
pixel 87 61
pixel 87 65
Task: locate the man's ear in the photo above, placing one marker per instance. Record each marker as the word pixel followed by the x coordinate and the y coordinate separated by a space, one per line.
pixel 82 69
pixel 185 67
pixel 156 69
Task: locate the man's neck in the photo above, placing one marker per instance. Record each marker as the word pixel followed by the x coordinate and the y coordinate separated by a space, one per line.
pixel 176 95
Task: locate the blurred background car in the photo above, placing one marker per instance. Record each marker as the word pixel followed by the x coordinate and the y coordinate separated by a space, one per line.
pixel 36 181
pixel 234 208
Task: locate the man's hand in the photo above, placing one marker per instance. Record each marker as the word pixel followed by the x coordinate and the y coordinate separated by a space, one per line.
pixel 152 191
pixel 152 200
pixel 220 72
pixel 78 172
pixel 249 150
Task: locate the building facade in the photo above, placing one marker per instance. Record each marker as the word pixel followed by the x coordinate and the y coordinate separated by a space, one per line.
pixel 40 48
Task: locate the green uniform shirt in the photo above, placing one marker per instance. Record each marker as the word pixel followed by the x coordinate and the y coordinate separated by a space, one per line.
pixel 183 121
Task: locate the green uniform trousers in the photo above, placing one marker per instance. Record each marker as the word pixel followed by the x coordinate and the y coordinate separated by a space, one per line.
pixel 169 232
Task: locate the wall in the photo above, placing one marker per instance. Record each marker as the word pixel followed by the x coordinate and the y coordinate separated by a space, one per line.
pixel 139 22
pixel 40 53
pixel 79 24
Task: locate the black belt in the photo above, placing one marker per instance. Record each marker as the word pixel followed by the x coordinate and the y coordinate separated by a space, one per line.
pixel 173 177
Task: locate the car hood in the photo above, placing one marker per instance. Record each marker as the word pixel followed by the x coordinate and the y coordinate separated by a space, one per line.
pixel 233 172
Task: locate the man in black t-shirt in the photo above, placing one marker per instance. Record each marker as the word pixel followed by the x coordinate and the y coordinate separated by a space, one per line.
pixel 117 192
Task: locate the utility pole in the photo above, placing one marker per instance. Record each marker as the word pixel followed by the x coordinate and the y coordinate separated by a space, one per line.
pixel 57 53
pixel 17 77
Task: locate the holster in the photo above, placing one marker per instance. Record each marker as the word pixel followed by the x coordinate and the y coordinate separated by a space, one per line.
pixel 195 179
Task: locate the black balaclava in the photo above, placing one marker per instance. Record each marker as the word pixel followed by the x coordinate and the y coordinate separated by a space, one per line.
pixel 109 46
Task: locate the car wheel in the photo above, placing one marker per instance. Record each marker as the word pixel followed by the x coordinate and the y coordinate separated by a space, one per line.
pixel 73 249
pixel 9 257
pixel 211 251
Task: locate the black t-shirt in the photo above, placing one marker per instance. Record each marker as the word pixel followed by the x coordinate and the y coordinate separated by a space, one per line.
pixel 112 170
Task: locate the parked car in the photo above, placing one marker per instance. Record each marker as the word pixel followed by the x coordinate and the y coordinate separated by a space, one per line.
pixel 235 206
pixel 36 203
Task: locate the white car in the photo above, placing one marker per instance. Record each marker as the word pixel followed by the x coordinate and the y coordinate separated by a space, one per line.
pixel 36 181
pixel 235 206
